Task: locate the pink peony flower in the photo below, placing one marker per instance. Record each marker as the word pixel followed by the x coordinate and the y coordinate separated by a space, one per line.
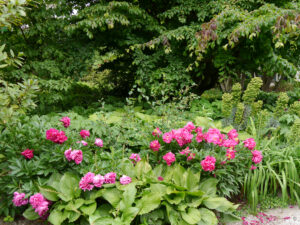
pixel 76 155
pixel 82 142
pixel 230 154
pixel 42 208
pixel 191 156
pixel 253 167
pixel 68 154
pixel 185 151
pixel 135 157
pixel 56 136
pixel 87 182
pixel 40 204
pixel 168 137
pixel 208 164
pixel 200 135
pixel 28 154
pixel 36 200
pixel 190 126
pixel 232 134
pixel 169 158
pixel 214 136
pixel 110 178
pixel 19 199
pixel 99 142
pixel 229 143
pixel 125 180
pixel 66 121
pixel 154 145
pixel 250 143
pixel 156 132
pixel 160 178
pixel 257 156
pixel 98 180
pixel 182 136
pixel 84 133
pixel 199 129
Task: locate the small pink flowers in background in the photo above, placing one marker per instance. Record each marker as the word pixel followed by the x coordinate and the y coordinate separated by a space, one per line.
pixel 185 151
pixel 160 178
pixel 75 155
pixel 154 145
pixel 40 204
pixel 191 156
pixel 56 136
pixel 253 167
pixel 28 154
pixel 168 137
pixel 19 199
pixel 156 132
pixel 125 180
pixel 87 182
pixel 84 133
pixel 135 157
pixel 66 121
pixel 257 156
pixel 84 143
pixel 230 154
pixel 190 126
pixel 169 158
pixel 99 142
pixel 110 178
pixel 208 164
pixel 232 134
pixel 250 143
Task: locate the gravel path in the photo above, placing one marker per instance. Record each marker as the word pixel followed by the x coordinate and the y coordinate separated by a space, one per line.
pixel 286 216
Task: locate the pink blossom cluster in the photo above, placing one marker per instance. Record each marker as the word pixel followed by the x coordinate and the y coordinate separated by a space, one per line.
pixel 208 164
pixel 169 158
pixel 250 143
pixel 214 136
pixel 75 155
pixel 28 154
pixel 66 121
pixel 56 136
pixel 156 132
pixel 39 203
pixel 256 156
pixel 135 157
pixel 154 145
pixel 99 142
pixel 84 133
pixel 19 199
pixel 84 143
pixel 187 152
pixel 90 180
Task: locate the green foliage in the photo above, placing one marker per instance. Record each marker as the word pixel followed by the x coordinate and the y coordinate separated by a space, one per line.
pixel 236 92
pixel 227 104
pixel 252 90
pixel 295 108
pixel 239 115
pixel 281 104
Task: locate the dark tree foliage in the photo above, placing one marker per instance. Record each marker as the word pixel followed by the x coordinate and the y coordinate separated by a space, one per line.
pixel 81 50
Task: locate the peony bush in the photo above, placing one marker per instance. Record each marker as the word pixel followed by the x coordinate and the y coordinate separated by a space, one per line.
pixel 71 192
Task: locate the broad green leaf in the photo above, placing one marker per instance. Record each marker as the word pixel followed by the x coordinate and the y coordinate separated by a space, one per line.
pixel 175 197
pixel 102 211
pixel 129 214
pixel 30 214
pixel 56 217
pixel 69 186
pixel 219 204
pixel 148 202
pixel 192 181
pixel 192 216
pixel 127 168
pixel 104 221
pixel 207 217
pixel 75 205
pixel 209 186
pixel 49 192
pixel 54 180
pixel 73 216
pixel 179 176
pixel 230 218
pixel 112 195
pixel 88 209
pixel 142 168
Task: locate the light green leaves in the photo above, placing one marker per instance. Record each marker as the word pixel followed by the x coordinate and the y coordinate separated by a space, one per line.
pixel 192 216
pixel 30 214
pixel 69 187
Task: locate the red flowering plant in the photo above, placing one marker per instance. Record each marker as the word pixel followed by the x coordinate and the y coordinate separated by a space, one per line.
pixel 211 152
